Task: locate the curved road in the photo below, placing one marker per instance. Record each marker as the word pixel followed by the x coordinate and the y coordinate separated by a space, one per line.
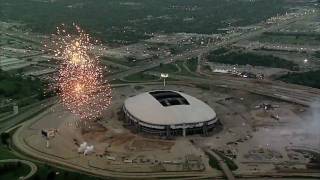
pixel 33 167
pixel 283 91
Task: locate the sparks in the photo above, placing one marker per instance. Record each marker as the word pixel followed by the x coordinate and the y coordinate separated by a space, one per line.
pixel 80 83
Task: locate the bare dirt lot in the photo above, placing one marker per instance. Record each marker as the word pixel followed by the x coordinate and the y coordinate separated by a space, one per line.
pixel 256 138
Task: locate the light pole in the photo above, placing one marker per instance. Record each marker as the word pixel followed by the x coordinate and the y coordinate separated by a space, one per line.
pixel 164 76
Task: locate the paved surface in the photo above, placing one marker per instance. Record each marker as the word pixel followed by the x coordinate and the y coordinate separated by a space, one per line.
pixel 201 50
pixel 287 92
pixel 33 167
pixel 19 142
pixel 293 93
pixel 8 123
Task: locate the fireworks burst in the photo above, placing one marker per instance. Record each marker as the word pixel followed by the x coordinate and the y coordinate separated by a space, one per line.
pixel 80 83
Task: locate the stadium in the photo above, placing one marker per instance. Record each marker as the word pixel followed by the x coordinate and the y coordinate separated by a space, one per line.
pixel 169 113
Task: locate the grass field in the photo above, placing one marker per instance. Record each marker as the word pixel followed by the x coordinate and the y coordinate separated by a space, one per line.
pixel 5 153
pixel 213 162
pixel 166 68
pixel 117 81
pixel 317 54
pixel 12 86
pixel 230 163
pixel 183 70
pixel 120 61
pixel 11 171
pixel 43 170
pixel 192 64
pixel 138 77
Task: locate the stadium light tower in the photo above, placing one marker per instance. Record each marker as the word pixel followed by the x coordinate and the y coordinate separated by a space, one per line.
pixel 164 76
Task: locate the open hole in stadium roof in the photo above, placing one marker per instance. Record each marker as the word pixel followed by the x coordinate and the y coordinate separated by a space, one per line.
pixel 169 98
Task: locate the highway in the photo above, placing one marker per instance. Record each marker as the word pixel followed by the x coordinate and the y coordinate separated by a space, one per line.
pixel 201 50
pixel 287 92
pixel 21 117
pixel 293 93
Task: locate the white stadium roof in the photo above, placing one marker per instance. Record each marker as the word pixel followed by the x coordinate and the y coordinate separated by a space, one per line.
pixel 168 108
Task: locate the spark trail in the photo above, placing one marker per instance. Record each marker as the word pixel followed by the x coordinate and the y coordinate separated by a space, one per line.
pixel 79 83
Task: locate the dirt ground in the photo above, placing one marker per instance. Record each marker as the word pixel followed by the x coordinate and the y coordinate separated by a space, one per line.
pixel 251 136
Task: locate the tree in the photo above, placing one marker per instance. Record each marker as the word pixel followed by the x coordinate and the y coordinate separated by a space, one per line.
pixel 5 138
pixel 65 174
pixel 36 177
pixel 19 164
pixel 51 175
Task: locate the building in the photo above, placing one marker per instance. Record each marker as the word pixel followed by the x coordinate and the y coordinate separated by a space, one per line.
pixel 169 113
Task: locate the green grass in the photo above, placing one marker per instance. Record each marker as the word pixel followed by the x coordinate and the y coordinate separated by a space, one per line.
pixel 230 163
pixel 124 62
pixel 166 68
pixel 244 58
pixel 138 87
pixel 213 162
pixel 311 78
pixel 317 54
pixel 203 86
pixel 117 81
pixel 23 91
pixel 6 113
pixel 43 170
pixel 138 77
pixel 13 170
pixel 219 51
pixel 12 86
pixel 192 64
pixel 5 153
pixel 183 71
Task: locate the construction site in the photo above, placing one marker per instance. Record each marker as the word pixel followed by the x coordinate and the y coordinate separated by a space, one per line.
pixel 256 129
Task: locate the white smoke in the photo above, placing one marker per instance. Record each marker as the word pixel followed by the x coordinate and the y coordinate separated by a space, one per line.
pixel 82 147
pixel 85 148
pixel 303 131
pixel 312 125
pixel 88 150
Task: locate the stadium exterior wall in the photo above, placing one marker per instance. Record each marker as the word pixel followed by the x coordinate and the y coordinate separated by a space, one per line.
pixel 141 126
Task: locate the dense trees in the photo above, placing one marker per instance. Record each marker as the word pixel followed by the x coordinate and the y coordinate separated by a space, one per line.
pixel 5 138
pixel 244 58
pixel 15 87
pixel 311 78
pixel 120 20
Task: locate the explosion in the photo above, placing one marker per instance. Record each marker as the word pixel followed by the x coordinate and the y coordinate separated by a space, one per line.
pixel 80 83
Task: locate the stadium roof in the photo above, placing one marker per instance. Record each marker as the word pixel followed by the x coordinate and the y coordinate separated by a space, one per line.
pixel 168 108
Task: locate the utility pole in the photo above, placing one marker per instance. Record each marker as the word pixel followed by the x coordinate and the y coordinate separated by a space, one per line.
pixel 164 76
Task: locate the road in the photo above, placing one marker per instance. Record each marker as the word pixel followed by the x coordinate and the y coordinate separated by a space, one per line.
pixel 293 93
pixel 20 144
pixel 298 94
pixel 19 118
pixel 287 92
pixel 201 50
pixel 32 166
